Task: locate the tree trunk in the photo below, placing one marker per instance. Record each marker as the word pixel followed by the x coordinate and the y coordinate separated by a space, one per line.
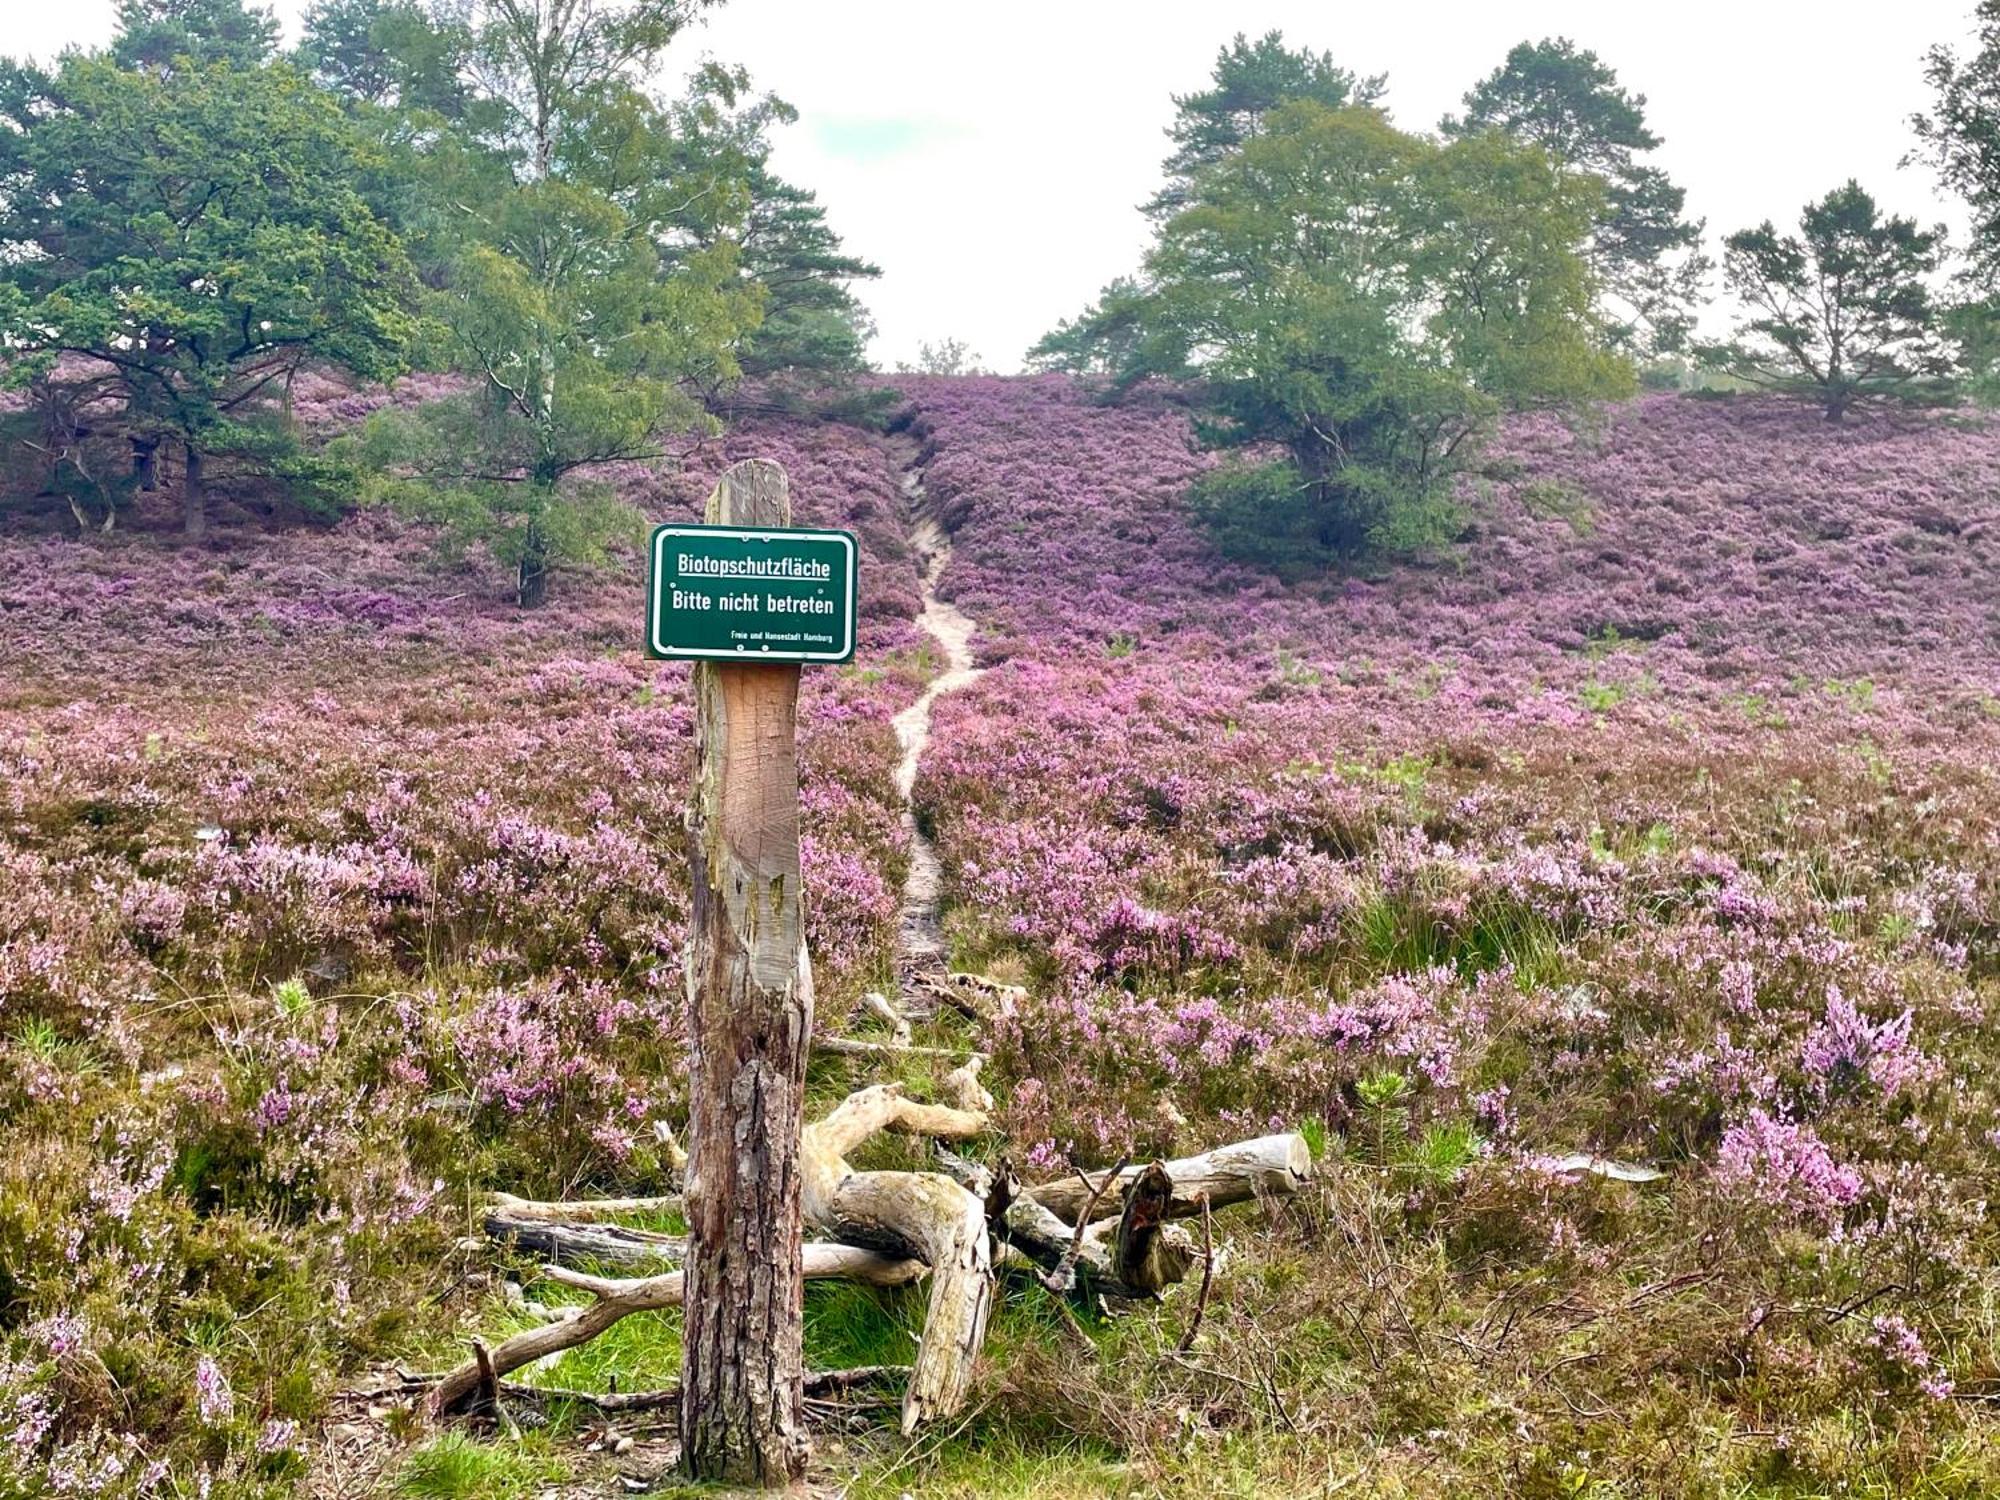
pixel 146 462
pixel 532 585
pixel 194 498
pixel 742 1417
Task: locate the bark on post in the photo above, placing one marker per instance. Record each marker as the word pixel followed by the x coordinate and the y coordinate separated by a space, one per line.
pixel 742 1415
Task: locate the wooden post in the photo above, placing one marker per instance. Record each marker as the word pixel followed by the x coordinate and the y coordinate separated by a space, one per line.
pixel 742 1415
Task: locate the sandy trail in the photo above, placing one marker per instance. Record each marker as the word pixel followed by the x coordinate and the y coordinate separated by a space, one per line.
pixel 921 941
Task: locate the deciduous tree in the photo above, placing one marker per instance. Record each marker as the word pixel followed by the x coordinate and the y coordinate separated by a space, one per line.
pixel 1366 300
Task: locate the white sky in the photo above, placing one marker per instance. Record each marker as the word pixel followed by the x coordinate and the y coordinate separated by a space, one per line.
pixel 989 158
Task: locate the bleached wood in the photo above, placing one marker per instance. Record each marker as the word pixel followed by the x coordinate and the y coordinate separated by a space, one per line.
pixel 1271 1164
pixel 620 1297
pixel 922 1213
pixel 582 1210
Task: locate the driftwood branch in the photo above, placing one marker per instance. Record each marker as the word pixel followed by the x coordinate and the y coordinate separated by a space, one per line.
pixel 925 1214
pixel 889 1228
pixel 583 1211
pixel 1274 1164
pixel 883 1006
pixel 584 1244
pixel 617 1298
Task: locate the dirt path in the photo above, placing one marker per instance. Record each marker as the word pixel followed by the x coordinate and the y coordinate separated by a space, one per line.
pixel 921 940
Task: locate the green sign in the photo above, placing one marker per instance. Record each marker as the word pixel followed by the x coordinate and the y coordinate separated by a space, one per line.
pixel 734 593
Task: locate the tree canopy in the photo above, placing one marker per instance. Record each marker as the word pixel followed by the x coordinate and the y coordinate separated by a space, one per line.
pixel 1647 253
pixel 197 231
pixel 1365 299
pixel 1843 310
pixel 582 257
pixel 157 34
pixel 1250 80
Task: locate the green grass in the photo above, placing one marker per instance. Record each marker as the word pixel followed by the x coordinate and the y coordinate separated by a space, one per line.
pixel 995 1466
pixel 453 1466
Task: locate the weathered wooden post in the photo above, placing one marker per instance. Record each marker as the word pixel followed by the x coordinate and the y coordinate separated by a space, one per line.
pixel 750 603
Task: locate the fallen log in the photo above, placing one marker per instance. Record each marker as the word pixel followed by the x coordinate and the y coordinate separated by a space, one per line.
pixel 618 1298
pixel 587 1243
pixel 1093 1259
pixel 584 1210
pixel 925 1214
pixel 889 1228
pixel 1271 1164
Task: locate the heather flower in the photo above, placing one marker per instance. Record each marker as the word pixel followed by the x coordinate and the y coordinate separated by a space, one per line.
pixel 214 1402
pixel 1903 1347
pixel 61 1334
pixel 1846 1047
pixel 1786 1167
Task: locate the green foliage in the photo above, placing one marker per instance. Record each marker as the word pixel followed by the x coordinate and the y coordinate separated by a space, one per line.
pixel 1960 136
pixel 1382 1124
pixel 162 35
pixel 1101 340
pixel 1251 79
pixel 1268 515
pixel 699 170
pixel 1557 96
pixel 198 234
pixel 1842 311
pixel 604 265
pixel 292 997
pixel 1366 300
pixel 581 344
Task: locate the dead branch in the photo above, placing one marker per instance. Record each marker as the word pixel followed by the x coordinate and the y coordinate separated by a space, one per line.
pixel 883 1006
pixel 584 1244
pixel 888 1228
pixel 972 995
pixel 962 1086
pixel 1272 1164
pixel 1063 1277
pixel 1207 1276
pixel 582 1211
pixel 924 1213
pixel 617 1299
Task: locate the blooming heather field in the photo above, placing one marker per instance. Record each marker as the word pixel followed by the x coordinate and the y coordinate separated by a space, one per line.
pixel 1654 829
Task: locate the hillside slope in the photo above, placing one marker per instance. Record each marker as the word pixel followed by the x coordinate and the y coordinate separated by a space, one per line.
pixel 1659 820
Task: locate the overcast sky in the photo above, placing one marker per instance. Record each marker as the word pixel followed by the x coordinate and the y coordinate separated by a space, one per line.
pixel 989 157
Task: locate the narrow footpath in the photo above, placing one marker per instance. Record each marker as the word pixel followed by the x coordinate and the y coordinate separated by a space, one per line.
pixel 920 944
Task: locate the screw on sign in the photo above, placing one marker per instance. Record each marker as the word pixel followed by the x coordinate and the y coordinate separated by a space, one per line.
pixel 749 598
